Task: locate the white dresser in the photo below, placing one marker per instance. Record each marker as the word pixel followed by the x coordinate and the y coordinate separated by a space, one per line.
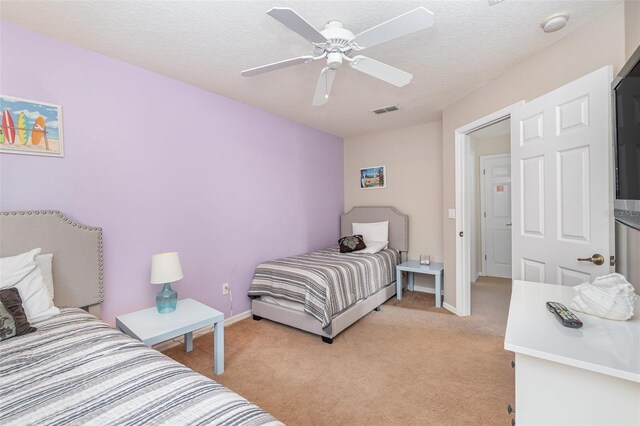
pixel 564 376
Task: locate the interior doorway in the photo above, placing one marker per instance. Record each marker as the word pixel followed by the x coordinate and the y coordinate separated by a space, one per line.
pixel 489 168
pixel 490 195
pixel 469 248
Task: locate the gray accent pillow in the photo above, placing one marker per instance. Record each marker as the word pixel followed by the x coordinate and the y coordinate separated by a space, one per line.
pixel 7 324
pixel 12 303
pixel 351 243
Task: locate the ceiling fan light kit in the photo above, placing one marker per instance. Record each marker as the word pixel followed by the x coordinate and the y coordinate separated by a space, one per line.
pixel 334 60
pixel 337 44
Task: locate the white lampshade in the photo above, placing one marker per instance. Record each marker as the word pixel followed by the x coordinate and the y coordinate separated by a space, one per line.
pixel 165 268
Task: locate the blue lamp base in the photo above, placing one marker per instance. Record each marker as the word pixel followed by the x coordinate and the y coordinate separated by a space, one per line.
pixel 167 299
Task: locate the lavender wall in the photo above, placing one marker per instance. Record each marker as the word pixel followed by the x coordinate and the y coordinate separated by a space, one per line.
pixel 163 166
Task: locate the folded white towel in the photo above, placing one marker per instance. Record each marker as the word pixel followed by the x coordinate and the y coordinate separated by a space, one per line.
pixel 609 296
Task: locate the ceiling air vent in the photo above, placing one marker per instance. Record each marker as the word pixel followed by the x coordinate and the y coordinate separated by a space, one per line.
pixel 386 109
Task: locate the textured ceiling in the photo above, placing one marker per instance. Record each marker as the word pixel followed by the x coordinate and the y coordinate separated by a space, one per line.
pixel 208 43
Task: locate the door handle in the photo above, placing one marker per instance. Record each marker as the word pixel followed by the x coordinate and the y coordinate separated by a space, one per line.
pixel 596 259
pixel 509 224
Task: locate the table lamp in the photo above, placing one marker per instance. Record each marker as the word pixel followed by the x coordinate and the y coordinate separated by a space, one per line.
pixel 166 269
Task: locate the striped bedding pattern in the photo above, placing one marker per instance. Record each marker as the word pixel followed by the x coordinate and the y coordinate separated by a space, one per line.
pixel 326 281
pixel 76 370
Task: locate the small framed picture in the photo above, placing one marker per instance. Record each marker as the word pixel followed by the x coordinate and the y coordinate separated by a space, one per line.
pixel 30 127
pixel 374 177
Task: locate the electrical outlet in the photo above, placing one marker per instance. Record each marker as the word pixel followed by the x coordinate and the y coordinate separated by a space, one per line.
pixel 225 289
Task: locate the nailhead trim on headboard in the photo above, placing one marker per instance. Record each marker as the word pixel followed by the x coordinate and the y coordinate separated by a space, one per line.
pixel 76 225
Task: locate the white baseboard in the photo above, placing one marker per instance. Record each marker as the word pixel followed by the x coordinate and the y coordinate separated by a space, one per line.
pixel 236 318
pixel 429 290
pixel 161 347
pixel 449 308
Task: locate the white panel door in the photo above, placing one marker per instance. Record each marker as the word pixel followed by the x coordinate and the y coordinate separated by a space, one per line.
pixel 561 190
pixel 496 177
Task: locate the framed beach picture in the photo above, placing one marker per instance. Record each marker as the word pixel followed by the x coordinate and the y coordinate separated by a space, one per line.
pixel 30 127
pixel 373 177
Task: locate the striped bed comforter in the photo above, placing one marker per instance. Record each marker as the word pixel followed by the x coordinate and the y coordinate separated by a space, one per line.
pixel 326 281
pixel 76 370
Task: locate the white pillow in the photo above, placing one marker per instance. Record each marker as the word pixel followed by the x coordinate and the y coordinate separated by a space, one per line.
pixel 374 231
pixel 14 268
pixel 373 247
pixel 22 272
pixel 45 263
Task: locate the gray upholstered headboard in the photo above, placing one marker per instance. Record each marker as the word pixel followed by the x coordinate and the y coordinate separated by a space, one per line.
pixel 398 223
pixel 76 248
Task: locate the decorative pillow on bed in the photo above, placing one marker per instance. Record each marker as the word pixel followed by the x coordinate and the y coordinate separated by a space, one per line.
pixel 22 272
pixel 13 320
pixel 7 324
pixel 374 231
pixel 351 243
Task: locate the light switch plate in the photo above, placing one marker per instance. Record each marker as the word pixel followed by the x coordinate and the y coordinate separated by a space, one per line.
pixel 452 214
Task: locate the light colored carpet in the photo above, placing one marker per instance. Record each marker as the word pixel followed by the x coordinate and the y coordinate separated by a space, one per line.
pixel 409 364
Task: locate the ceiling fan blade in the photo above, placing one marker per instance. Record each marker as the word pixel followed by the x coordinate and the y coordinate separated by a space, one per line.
pixel 412 21
pixel 277 65
pixel 381 70
pixel 324 86
pixel 297 23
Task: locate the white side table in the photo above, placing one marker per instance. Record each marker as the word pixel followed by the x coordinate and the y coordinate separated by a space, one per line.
pixel 151 327
pixel 412 266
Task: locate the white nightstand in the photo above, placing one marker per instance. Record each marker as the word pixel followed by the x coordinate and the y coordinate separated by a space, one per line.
pixel 411 267
pixel 151 327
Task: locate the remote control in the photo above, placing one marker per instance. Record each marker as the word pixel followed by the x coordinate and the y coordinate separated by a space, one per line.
pixel 564 315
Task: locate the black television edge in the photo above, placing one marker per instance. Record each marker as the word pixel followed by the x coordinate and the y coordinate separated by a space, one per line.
pixel 626 141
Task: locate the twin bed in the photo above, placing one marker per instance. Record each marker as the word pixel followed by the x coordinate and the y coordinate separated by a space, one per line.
pixel 325 291
pixel 76 369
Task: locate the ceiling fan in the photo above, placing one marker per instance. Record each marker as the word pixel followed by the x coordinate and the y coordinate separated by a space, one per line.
pixel 336 43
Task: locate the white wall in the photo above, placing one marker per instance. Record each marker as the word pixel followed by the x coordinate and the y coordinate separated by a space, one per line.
pixel 413 157
pixel 631 26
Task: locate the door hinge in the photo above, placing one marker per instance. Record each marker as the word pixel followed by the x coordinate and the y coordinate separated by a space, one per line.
pixel 484 171
pixel 485 214
pixel 485 257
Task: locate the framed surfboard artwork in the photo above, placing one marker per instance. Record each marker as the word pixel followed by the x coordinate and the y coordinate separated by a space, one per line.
pixel 30 127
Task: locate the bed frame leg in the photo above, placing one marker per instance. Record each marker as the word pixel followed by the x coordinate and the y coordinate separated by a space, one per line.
pixel 257 318
pixel 327 340
pixel 377 308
